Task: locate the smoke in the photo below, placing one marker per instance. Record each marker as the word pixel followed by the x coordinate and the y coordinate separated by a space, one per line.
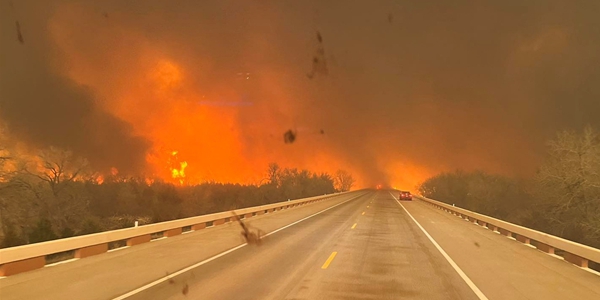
pixel 43 107
pixel 401 90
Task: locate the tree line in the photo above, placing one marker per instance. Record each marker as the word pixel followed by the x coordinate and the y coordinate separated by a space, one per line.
pixel 54 195
pixel 563 198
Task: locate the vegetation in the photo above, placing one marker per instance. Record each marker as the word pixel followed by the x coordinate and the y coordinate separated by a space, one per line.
pixel 54 195
pixel 562 199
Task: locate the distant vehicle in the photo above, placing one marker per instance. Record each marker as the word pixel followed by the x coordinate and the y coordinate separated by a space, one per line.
pixel 405 195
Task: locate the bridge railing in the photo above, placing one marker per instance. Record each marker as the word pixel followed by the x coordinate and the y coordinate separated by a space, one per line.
pixel 575 253
pixel 33 256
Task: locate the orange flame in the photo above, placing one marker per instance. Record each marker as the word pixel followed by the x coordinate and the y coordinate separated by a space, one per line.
pixel 179 173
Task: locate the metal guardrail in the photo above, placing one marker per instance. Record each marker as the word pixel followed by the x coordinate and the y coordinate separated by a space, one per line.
pixel 28 257
pixel 575 253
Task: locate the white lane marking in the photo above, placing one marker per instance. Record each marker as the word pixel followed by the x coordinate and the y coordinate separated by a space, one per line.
pixel 151 284
pixel 460 272
pixel 286 226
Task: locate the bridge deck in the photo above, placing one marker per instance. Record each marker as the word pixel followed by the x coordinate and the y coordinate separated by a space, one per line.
pixel 381 254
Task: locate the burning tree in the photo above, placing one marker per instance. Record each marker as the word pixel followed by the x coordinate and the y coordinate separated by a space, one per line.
pixel 343 181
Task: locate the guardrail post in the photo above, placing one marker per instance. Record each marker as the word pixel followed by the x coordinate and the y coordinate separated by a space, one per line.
pixel 523 239
pixel 218 222
pixel 138 240
pixel 505 232
pixel 172 232
pixel 199 226
pixel 493 228
pixel 576 260
pixel 91 250
pixel 21 266
pixel 545 248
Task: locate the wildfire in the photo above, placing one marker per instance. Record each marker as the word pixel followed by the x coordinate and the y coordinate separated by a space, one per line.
pixel 178 173
pixel 163 94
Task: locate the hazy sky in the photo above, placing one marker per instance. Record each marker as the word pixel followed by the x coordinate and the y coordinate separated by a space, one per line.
pixel 400 89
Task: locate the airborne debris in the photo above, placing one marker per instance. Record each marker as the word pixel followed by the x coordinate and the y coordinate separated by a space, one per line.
pixel 289 136
pixel 322 131
pixel 390 18
pixel 105 14
pixel 477 244
pixel 185 289
pixel 319 62
pixel 250 236
pixel 19 35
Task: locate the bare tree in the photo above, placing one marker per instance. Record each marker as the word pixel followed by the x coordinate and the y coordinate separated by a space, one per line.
pixel 343 180
pixel 569 184
pixel 274 174
pixel 60 198
pixel 58 167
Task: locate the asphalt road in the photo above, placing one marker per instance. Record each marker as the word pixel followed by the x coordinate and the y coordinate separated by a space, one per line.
pixel 380 253
pixel 363 245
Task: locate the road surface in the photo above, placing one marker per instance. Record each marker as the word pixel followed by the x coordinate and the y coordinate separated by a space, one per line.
pixel 385 256
pixel 356 246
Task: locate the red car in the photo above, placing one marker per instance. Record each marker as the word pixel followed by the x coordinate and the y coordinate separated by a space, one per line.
pixel 404 195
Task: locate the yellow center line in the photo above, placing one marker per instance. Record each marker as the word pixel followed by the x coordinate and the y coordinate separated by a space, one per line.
pixel 329 260
pixel 363 213
pixel 354 226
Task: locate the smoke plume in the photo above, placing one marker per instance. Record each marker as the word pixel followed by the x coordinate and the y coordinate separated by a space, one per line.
pixel 395 91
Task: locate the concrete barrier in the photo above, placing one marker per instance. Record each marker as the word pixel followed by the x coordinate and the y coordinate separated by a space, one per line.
pixel 24 258
pixel 575 253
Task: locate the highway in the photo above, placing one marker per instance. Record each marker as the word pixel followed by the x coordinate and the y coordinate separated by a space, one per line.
pixel 363 245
